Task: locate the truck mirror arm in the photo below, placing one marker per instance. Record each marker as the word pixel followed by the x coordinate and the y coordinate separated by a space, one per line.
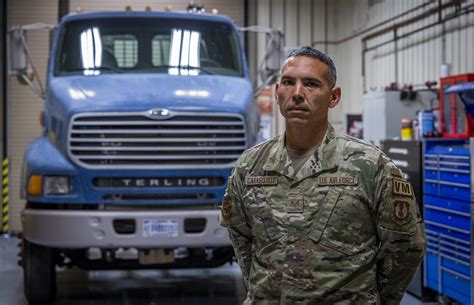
pixel 22 74
pixel 269 67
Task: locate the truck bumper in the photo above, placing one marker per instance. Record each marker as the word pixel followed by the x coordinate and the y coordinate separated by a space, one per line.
pixel 84 229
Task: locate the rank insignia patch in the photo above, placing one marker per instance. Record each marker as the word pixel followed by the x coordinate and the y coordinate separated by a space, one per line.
pixel 401 212
pixel 295 204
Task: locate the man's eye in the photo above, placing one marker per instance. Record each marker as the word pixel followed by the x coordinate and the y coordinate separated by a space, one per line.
pixel 286 82
pixel 311 84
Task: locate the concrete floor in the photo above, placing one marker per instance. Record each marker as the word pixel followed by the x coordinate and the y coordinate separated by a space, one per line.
pixel 217 286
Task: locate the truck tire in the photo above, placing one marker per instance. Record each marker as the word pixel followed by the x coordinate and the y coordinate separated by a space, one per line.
pixel 39 274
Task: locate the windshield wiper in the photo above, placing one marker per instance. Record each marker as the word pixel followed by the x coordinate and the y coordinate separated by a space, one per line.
pixel 183 67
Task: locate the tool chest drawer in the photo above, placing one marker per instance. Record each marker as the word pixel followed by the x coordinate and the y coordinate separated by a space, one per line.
pixel 452 205
pixel 449 218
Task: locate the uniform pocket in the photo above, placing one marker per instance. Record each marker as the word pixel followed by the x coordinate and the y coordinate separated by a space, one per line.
pixel 324 215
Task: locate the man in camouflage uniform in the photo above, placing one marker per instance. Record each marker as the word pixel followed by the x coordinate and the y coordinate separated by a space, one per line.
pixel 315 216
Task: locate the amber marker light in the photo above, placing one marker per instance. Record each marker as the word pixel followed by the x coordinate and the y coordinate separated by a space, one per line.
pixel 41 118
pixel 35 185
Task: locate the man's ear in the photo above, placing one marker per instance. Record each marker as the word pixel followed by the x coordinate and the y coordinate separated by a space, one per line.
pixel 277 85
pixel 335 97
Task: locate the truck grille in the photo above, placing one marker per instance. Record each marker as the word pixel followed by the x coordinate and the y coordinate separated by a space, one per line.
pixel 135 140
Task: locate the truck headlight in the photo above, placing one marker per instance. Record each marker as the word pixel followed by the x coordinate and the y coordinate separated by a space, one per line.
pixel 56 185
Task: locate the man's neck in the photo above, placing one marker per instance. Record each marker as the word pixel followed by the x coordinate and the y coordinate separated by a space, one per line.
pixel 304 138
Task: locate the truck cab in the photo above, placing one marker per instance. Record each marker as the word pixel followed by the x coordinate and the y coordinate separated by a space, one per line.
pixel 145 115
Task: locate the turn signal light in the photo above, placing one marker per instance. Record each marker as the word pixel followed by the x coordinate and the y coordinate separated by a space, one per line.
pixel 41 118
pixel 35 185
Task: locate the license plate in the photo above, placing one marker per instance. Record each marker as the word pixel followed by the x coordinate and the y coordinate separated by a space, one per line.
pixel 160 228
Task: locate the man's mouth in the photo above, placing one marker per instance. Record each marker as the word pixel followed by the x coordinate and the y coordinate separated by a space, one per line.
pixel 297 109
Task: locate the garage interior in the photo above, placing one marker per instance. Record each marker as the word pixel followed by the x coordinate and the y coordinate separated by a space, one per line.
pixel 397 63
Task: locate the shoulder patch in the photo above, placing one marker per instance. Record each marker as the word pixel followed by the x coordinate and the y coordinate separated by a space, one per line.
pixel 401 187
pixel 401 212
pixel 226 208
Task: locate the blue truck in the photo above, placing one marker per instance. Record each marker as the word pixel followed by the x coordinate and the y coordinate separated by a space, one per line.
pixel 145 114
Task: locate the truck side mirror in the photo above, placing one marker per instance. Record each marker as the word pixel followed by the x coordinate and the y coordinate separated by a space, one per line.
pixel 18 64
pixel 20 60
pixel 273 57
pixel 274 49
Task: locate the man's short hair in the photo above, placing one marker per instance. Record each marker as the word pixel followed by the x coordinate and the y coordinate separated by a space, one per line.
pixel 316 54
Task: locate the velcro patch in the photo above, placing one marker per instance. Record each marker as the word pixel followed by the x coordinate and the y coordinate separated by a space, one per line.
pixel 401 212
pixel 344 180
pixel 295 204
pixel 401 187
pixel 261 180
pixel 396 172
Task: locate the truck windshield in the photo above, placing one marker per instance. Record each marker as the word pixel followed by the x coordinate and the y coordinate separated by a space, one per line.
pixel 148 45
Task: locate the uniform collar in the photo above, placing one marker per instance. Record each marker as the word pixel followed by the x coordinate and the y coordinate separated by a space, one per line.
pixel 324 158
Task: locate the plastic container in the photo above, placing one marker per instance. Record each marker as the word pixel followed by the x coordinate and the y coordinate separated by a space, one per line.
pixel 407 129
pixel 426 122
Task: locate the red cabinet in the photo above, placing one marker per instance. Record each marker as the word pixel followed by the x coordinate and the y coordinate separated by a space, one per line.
pixel 454 122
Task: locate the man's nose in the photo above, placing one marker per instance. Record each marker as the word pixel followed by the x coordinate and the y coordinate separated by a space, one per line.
pixel 298 92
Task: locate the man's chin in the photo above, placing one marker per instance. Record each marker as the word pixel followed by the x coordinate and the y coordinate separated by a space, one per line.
pixel 297 122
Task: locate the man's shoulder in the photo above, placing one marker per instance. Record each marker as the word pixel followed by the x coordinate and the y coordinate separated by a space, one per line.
pixel 353 148
pixel 258 153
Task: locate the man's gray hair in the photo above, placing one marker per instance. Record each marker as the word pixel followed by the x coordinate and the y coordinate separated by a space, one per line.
pixel 322 57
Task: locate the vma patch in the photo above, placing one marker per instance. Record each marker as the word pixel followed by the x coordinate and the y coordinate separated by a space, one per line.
pixel 401 212
pixel 401 187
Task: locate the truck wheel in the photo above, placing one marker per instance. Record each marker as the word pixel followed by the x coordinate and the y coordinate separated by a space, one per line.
pixel 39 274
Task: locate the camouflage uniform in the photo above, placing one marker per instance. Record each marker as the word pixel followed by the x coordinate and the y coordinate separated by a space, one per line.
pixel 345 229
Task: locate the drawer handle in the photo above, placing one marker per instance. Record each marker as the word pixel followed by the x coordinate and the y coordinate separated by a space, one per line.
pixel 432 207
pixel 455 260
pixel 447 227
pixel 457 274
pixel 447 183
pixel 444 236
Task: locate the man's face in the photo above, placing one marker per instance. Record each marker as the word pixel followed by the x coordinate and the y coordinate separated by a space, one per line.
pixel 304 93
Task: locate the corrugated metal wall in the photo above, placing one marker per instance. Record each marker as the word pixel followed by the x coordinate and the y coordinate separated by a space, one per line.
pixel 419 56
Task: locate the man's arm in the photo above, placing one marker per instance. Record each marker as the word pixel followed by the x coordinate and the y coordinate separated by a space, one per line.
pixel 400 231
pixel 233 217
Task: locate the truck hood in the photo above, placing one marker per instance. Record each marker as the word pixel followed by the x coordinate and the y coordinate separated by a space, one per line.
pixel 141 92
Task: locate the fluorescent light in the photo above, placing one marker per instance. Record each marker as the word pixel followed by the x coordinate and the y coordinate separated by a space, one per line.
pixel 97 47
pixel 194 52
pixel 175 51
pixel 185 52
